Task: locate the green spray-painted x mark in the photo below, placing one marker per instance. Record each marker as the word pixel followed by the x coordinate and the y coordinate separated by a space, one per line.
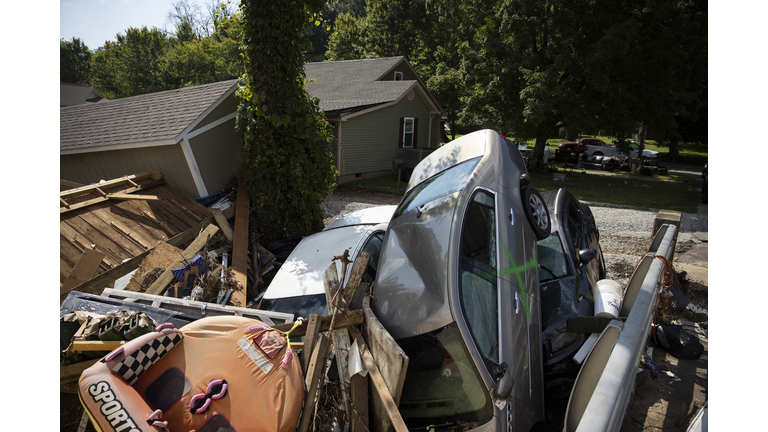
pixel 518 271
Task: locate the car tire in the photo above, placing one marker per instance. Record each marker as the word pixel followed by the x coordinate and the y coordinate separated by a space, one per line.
pixel 537 213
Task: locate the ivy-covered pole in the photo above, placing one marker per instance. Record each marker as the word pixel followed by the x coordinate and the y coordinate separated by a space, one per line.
pixel 287 141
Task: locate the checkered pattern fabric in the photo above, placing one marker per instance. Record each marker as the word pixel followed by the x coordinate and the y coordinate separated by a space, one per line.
pixel 135 364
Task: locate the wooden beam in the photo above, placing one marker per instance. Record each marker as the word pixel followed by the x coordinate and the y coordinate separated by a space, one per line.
pixel 358 418
pixel 70 184
pixel 339 336
pixel 87 189
pixel 105 197
pixel 312 380
pixel 313 328
pixel 79 346
pixel 343 320
pixel 124 196
pixel 162 282
pixel 380 387
pixel 97 283
pixel 222 222
pixel 71 373
pixel 358 270
pixel 240 243
pixel 84 269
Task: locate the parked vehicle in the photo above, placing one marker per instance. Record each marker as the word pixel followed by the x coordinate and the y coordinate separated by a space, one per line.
pixel 570 263
pixel 580 145
pixel 600 148
pixel 297 287
pixel 457 287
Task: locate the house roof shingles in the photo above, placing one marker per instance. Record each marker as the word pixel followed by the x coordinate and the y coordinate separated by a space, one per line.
pixel 353 83
pixel 339 85
pixel 144 118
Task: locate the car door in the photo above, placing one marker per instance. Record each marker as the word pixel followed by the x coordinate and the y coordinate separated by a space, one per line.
pixel 521 314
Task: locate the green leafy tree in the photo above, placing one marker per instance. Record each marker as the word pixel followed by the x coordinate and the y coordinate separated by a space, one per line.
pixel 74 62
pixel 287 140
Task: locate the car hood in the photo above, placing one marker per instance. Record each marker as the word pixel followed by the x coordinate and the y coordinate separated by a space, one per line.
pixel 302 272
pixel 369 216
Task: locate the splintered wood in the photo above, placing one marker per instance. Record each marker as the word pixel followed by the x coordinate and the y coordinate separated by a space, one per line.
pixel 122 229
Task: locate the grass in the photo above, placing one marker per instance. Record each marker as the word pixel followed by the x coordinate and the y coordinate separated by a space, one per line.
pixel 682 193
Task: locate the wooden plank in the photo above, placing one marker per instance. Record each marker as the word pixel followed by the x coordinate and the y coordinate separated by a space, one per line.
pixel 240 243
pixel 84 269
pixel 343 320
pixel 390 358
pixel 82 190
pixel 339 337
pixel 124 196
pixel 162 282
pixel 187 208
pixel 129 233
pixel 380 387
pixel 105 197
pixel 358 270
pixel 69 184
pixel 313 373
pixel 73 226
pixel 71 373
pixel 152 228
pixel 358 418
pixel 100 219
pixel 109 276
pixel 221 221
pixel 79 346
pixel 309 339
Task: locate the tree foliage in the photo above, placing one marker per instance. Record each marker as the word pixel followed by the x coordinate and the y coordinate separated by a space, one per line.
pixel 74 62
pixel 287 140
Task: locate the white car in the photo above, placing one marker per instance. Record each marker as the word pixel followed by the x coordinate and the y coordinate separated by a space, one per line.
pixel 297 287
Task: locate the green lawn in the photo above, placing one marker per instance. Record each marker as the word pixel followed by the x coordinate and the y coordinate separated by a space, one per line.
pixel 637 192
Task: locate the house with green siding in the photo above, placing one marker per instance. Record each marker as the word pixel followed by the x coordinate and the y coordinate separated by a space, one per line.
pixel 379 109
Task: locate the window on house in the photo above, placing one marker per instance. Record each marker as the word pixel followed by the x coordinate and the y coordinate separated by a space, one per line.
pixel 408 132
pixel 398 76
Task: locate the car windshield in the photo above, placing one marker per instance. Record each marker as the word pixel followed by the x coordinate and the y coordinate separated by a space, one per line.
pixel 451 180
pixel 551 259
pixel 299 306
pixel 442 384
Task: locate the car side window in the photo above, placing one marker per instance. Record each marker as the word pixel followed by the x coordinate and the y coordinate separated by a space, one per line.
pixel 373 247
pixel 574 227
pixel 478 288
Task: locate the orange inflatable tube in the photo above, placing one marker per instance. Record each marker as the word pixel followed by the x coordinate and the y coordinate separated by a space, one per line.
pixel 215 374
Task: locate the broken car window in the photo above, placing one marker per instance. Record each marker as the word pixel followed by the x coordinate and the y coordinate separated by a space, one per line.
pixel 552 264
pixel 451 180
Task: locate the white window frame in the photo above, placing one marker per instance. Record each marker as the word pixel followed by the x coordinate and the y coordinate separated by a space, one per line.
pixel 398 76
pixel 405 130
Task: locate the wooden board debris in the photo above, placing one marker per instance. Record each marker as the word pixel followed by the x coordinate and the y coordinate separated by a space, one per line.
pixel 123 229
pixel 162 256
pixel 162 282
pixel 84 269
pixel 240 243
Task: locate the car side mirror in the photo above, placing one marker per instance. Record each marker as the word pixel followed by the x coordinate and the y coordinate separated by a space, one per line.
pixel 504 382
pixel 587 255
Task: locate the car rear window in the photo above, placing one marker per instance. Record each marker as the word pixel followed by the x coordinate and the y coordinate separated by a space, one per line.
pixel 451 180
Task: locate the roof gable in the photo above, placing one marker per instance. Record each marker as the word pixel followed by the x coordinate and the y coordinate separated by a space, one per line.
pixel 358 84
pixel 76 94
pixel 144 118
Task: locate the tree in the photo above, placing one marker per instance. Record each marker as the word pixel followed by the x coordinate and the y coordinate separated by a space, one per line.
pixel 287 140
pixel 74 62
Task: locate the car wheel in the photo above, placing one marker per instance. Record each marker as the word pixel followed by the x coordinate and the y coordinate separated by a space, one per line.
pixel 536 213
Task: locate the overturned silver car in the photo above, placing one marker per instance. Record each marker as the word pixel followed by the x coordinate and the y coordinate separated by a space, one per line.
pixel 457 286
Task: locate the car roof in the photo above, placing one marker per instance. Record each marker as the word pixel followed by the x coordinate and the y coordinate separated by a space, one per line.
pixel 455 152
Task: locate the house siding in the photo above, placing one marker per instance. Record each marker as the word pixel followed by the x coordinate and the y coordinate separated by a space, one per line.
pixel 217 153
pixel 88 168
pixel 227 107
pixel 369 142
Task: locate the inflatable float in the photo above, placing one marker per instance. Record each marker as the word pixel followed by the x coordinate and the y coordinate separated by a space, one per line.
pixel 215 374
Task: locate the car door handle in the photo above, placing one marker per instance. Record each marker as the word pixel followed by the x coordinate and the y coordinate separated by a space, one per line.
pixel 517 303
